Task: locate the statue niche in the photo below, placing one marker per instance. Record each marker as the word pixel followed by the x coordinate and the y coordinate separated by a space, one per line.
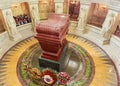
pixel 74 7
pixel 97 14
pixel 21 13
pixel 51 35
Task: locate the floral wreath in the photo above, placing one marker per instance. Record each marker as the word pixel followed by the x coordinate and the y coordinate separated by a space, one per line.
pixel 49 76
pixel 63 78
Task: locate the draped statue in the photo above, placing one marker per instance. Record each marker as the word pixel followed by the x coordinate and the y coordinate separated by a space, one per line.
pixel 11 25
pixel 82 18
pixel 107 26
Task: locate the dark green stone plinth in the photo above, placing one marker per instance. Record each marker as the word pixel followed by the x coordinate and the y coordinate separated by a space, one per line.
pixel 56 65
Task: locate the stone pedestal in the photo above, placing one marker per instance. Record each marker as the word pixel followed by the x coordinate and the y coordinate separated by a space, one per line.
pixel 16 37
pixel 56 65
pixel 103 41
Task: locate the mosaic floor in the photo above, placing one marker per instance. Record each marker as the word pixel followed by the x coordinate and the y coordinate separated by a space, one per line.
pixel 94 67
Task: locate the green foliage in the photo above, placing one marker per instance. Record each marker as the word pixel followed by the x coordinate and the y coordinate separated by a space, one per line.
pixel 24 57
pixel 79 83
pixel 81 51
pixel 27 53
pixel 33 84
pixel 23 73
pixel 34 59
pixel 88 68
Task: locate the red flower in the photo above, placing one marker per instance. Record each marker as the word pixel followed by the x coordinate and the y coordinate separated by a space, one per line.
pixel 63 77
pixel 49 76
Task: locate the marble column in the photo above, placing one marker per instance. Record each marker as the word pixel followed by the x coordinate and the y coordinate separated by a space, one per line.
pixel 82 18
pixel 11 25
pixel 108 24
pixel 34 12
pixel 59 6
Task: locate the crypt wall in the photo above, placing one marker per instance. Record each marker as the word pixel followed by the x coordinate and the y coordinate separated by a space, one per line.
pixel 38 11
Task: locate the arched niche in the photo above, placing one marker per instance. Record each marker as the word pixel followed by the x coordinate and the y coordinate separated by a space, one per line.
pixel 97 14
pixel 21 13
pixel 45 7
pixel 2 29
pixel 74 8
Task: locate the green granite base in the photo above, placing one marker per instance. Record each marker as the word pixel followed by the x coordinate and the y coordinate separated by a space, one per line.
pixel 56 65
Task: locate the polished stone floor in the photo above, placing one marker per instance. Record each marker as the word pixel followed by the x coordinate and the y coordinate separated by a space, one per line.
pixel 90 57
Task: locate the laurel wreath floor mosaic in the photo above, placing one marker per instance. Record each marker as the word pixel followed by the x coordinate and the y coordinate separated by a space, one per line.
pixel 88 64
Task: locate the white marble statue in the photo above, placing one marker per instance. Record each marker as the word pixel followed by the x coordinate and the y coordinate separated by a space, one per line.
pixel 82 18
pixel 107 26
pixel 11 25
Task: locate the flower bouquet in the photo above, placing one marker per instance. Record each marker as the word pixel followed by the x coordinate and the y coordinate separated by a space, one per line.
pixel 49 77
pixel 63 78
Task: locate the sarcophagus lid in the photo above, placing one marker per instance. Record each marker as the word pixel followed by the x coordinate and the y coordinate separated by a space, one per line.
pixel 55 25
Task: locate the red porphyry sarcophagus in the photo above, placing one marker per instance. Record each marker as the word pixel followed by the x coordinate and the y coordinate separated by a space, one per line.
pixel 51 35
